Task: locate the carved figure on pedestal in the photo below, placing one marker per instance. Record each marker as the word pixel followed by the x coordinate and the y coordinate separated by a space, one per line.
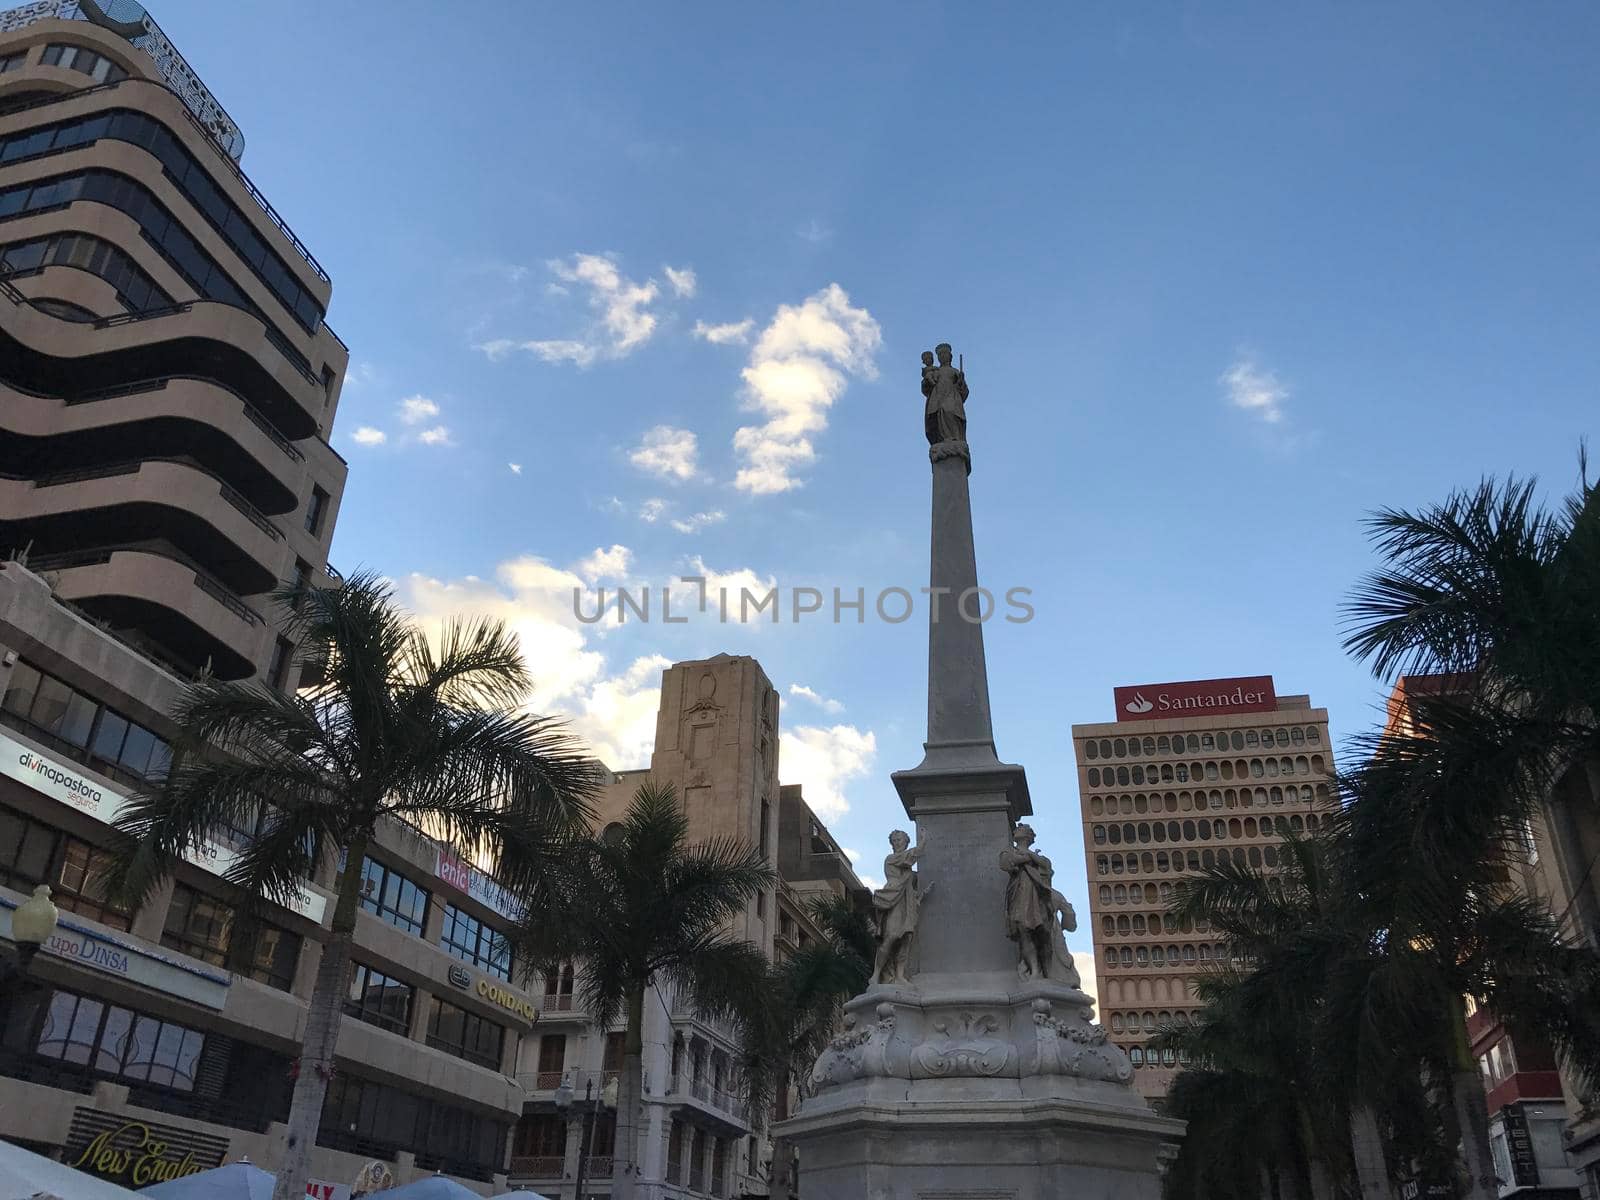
pixel 896 905
pixel 1037 915
pixel 945 386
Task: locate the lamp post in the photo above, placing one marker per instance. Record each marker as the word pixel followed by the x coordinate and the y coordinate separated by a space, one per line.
pixel 591 1105
pixel 31 926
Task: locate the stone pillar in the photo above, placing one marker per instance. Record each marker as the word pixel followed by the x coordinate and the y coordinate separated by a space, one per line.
pixel 973 1077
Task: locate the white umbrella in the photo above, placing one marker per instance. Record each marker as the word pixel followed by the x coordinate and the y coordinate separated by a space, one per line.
pixel 24 1175
pixel 433 1187
pixel 519 1194
pixel 235 1181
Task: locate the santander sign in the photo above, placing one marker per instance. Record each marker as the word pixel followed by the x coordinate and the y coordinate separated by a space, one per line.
pixel 1197 697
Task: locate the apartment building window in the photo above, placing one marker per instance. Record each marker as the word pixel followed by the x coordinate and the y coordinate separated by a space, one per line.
pixel 611 1059
pixel 473 941
pixel 32 853
pixel 104 1039
pixel 301 581
pixel 10 62
pixel 278 668
pixel 552 1061
pixel 464 1034
pixel 379 1000
pixel 205 928
pixel 389 895
pixel 315 508
pixel 541 1137
pixel 68 720
pixel 135 289
pixel 80 58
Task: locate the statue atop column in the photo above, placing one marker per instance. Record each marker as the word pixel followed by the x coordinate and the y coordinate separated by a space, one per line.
pixel 945 386
pixel 1037 916
pixel 897 904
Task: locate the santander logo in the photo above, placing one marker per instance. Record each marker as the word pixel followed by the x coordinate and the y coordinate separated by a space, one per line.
pixel 1152 701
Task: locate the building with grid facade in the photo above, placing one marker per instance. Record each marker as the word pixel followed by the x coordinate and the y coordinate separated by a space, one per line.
pixel 1191 774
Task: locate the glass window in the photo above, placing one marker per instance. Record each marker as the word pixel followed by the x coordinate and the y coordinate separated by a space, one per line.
pixel 198 926
pixel 80 886
pixel 464 1034
pixel 391 896
pixel 378 999
pixel 471 940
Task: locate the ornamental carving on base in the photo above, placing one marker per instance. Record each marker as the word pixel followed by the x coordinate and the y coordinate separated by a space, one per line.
pixel 968 1046
pixel 1073 1047
pixel 940 451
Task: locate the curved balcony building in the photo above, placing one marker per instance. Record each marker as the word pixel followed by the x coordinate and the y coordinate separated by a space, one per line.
pixel 167 379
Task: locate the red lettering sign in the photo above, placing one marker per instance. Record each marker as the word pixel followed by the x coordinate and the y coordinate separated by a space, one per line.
pixel 1196 698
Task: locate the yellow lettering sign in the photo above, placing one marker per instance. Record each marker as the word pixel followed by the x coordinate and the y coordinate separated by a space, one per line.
pixel 496 994
pixel 144 1161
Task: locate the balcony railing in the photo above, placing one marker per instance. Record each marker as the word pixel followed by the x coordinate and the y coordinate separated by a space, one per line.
pixel 599 1166
pixel 547 1081
pixel 551 1002
pixel 139 387
pixel 537 1166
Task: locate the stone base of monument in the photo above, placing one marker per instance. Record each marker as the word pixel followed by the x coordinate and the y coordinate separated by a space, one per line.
pixel 976 1087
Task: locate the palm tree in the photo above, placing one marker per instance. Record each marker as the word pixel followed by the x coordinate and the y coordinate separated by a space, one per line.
pixel 391 725
pixel 788 1021
pixel 640 903
pixel 1497 596
pixel 1264 1035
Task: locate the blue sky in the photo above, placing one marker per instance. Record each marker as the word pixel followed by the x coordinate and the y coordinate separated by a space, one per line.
pixel 1225 279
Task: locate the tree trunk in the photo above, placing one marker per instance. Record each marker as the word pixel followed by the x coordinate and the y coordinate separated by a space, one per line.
pixel 624 1170
pixel 1366 1147
pixel 1471 1109
pixel 323 1015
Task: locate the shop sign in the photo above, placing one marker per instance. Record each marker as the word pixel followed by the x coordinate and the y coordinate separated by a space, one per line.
pixel 1197 697
pixel 460 977
pixel 508 1000
pixel 320 1189
pixel 1524 1163
pixel 104 803
pixel 465 877
pixel 138 1153
pixel 84 947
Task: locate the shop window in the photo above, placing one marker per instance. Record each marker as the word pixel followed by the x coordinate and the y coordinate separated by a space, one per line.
pixel 390 896
pixel 476 942
pixel 464 1034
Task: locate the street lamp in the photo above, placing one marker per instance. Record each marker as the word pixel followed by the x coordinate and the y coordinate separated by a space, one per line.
pixel 564 1103
pixel 31 926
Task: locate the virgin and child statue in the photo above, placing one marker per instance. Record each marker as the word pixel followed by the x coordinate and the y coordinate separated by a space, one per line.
pixel 945 386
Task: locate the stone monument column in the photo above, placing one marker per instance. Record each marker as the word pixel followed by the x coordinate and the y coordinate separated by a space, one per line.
pixel 971 1069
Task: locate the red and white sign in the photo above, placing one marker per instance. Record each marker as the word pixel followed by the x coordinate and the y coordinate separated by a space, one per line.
pixel 317 1189
pixel 1196 698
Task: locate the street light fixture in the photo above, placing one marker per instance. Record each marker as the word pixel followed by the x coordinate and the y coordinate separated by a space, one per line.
pixel 591 1105
pixel 32 924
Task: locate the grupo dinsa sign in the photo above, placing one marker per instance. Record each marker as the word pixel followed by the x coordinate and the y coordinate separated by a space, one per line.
pixel 1195 698
pixel 136 1153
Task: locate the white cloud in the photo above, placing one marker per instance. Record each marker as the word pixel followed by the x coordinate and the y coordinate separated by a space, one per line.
pixel 725 593
pixel 723 335
pixel 683 280
pixel 652 510
pixel 366 435
pixel 797 370
pixel 358 374
pixel 414 410
pixel 623 320
pixel 439 435
pixel 1084 961
pixel 814 231
pixel 1255 389
pixel 612 711
pixel 516 468
pixel 667 452
pixel 826 705
pixel 699 521
pixel 580 354
pixel 823 761
pixel 606 564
